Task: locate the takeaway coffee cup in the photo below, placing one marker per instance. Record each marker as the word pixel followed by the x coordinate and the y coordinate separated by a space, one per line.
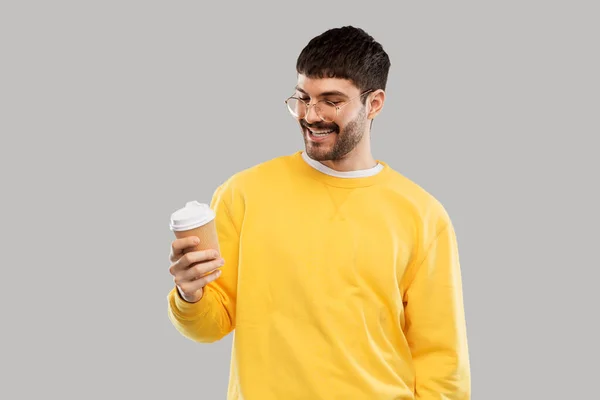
pixel 196 219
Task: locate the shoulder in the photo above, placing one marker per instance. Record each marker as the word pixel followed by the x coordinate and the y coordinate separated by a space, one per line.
pixel 425 206
pixel 260 175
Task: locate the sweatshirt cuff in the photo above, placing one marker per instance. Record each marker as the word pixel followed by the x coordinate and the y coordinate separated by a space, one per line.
pixel 185 309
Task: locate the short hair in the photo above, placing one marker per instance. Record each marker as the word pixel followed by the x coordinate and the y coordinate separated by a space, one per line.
pixel 346 53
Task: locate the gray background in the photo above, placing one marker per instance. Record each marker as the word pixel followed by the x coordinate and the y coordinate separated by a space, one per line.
pixel 113 114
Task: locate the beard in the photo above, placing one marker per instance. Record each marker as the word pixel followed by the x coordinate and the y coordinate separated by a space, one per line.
pixel 346 139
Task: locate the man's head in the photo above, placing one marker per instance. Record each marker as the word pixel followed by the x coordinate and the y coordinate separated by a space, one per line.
pixel 348 68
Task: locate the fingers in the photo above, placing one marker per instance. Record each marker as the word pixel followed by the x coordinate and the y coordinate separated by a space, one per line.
pixel 193 270
pixel 189 288
pixel 178 246
pixel 190 258
pixel 197 271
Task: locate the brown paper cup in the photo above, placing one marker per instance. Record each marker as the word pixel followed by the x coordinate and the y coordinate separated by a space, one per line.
pixel 196 219
pixel 206 233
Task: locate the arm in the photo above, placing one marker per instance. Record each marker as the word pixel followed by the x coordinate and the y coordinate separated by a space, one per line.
pixel 435 321
pixel 213 316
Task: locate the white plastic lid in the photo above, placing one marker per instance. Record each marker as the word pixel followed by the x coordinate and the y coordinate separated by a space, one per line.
pixel 193 215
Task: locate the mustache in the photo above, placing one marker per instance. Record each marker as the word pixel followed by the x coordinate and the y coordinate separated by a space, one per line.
pixel 319 126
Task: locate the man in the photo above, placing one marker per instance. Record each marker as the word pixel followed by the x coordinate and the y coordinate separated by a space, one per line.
pixel 339 275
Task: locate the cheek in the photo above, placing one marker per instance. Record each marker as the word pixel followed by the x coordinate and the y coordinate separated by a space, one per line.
pixel 352 124
pixel 349 121
pixel 342 124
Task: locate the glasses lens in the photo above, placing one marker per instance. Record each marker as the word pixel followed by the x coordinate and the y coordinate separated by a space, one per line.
pixel 326 111
pixel 296 108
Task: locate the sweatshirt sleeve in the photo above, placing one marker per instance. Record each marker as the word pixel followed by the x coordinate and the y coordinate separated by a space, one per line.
pixel 213 316
pixel 435 321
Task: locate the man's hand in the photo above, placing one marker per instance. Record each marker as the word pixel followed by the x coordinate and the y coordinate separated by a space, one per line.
pixel 192 270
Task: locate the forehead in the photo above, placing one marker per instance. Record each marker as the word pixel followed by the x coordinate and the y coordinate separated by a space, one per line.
pixel 316 86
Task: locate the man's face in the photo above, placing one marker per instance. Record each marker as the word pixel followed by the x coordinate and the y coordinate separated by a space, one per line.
pixel 349 126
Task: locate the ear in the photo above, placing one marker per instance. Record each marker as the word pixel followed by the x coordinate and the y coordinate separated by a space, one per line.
pixel 375 102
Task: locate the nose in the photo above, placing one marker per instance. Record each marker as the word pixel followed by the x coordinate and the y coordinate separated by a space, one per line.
pixel 311 116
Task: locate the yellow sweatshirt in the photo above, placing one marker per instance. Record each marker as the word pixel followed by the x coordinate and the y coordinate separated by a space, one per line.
pixel 337 288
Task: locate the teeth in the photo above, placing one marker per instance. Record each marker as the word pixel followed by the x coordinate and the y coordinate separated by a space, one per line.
pixel 321 133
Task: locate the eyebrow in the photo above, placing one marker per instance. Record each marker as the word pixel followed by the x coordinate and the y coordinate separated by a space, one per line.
pixel 324 94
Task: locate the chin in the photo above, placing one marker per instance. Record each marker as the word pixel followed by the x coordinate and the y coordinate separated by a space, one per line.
pixel 318 152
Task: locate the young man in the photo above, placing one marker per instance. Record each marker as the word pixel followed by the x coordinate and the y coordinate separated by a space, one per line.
pixel 339 275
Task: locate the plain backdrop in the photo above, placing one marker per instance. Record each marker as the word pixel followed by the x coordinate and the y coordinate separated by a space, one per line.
pixel 113 114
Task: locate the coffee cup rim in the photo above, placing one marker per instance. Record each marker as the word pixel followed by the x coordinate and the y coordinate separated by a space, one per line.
pixel 190 222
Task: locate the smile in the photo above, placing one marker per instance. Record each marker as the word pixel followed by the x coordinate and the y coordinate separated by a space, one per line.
pixel 321 133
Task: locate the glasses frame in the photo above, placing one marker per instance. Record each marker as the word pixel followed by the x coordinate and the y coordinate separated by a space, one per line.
pixel 337 107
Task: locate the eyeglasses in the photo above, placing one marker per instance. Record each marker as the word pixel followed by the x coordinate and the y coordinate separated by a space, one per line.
pixel 326 110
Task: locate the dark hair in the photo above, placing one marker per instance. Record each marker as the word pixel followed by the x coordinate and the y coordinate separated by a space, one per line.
pixel 346 53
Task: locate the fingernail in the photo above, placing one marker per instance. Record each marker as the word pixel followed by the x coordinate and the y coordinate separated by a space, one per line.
pixel 221 262
pixel 196 240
